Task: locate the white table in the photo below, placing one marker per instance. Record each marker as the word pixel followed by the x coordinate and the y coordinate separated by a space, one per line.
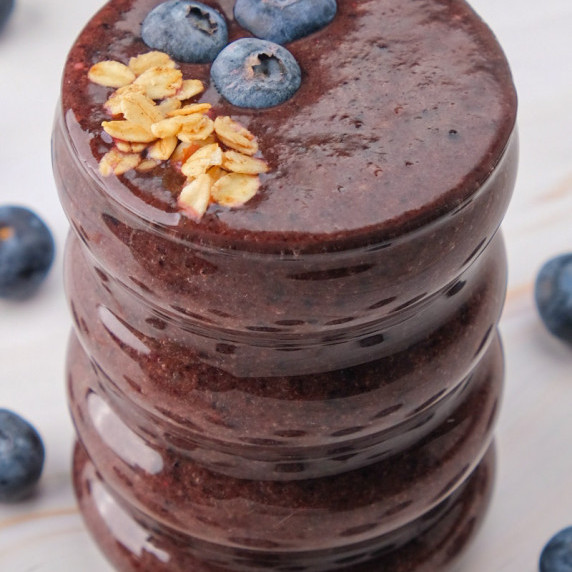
pixel 532 498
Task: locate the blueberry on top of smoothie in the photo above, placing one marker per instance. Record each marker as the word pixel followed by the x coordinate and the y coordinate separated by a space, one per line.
pixel 557 554
pixel 21 457
pixel 256 73
pixel 188 31
pixel 26 251
pixel 553 295
pixel 283 21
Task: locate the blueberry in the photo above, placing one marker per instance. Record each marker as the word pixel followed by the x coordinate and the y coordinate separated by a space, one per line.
pixel 188 31
pixel 6 7
pixel 557 554
pixel 21 457
pixel 256 73
pixel 553 294
pixel 26 252
pixel 282 21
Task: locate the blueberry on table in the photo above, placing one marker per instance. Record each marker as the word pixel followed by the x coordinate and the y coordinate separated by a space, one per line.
pixel 21 457
pixel 283 21
pixel 553 295
pixel 188 31
pixel 256 73
pixel 557 554
pixel 6 7
pixel 26 252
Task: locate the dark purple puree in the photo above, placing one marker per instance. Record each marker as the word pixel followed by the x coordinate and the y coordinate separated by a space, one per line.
pixel 389 89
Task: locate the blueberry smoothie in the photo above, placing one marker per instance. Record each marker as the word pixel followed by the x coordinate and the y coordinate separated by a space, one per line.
pixel 285 275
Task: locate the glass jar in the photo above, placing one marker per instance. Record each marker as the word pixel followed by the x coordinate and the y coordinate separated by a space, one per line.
pixel 268 390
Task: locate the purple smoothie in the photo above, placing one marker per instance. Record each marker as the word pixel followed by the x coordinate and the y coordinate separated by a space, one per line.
pixel 310 381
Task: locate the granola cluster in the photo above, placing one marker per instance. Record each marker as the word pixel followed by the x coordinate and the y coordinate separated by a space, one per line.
pixel 151 124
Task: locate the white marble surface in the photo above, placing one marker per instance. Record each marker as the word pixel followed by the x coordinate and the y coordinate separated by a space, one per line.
pixel 532 500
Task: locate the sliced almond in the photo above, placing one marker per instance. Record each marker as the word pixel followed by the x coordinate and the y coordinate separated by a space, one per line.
pixel 240 163
pixel 147 165
pixel 115 162
pixel 167 127
pixel 195 127
pixel 235 136
pixel 235 189
pixel 183 151
pixel 128 131
pixel 138 147
pixel 139 108
pixel 190 109
pixel 110 73
pixel 163 148
pixel 160 82
pixel 126 147
pixel 190 88
pixel 201 160
pixel 113 104
pixel 169 105
pixel 208 140
pixel 108 163
pixel 195 197
pixel 216 173
pixel 142 63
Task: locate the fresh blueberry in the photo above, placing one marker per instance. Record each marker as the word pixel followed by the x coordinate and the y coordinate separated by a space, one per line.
pixel 553 294
pixel 188 31
pixel 557 554
pixel 256 73
pixel 6 7
pixel 26 252
pixel 21 457
pixel 282 21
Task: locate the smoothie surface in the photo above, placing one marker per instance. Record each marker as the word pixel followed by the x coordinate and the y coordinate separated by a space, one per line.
pixel 405 108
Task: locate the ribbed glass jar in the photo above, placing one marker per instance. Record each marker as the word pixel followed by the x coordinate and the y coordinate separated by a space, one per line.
pixel 242 409
pixel 308 381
